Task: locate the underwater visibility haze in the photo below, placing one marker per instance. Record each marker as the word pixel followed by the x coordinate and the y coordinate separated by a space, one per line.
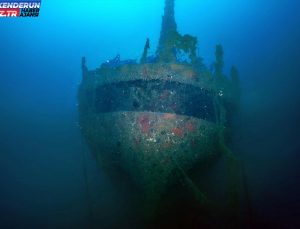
pixel 127 114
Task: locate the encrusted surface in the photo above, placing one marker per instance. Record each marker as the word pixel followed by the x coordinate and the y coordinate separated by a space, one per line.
pixel 149 146
pixel 183 73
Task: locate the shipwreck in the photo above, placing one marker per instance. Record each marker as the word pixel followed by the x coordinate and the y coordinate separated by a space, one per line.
pixel 161 119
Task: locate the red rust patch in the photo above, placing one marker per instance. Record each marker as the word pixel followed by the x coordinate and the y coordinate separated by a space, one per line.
pixel 190 127
pixel 144 122
pixel 169 116
pixel 177 132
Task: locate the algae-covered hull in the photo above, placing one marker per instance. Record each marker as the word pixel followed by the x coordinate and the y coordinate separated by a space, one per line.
pixel 160 117
pixel 149 125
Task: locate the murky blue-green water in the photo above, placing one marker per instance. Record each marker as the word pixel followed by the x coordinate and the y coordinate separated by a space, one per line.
pixel 42 169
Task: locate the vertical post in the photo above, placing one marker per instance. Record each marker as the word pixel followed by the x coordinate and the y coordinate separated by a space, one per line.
pixel 168 34
pixel 219 53
pixel 145 53
pixel 83 66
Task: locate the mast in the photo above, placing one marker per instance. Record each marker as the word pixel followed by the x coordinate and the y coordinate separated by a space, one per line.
pixel 168 34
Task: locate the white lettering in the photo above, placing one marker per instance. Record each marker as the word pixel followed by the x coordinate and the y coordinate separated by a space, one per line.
pixel 14 5
pixel 11 13
pixel 34 5
pixel 2 13
pixel 8 13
